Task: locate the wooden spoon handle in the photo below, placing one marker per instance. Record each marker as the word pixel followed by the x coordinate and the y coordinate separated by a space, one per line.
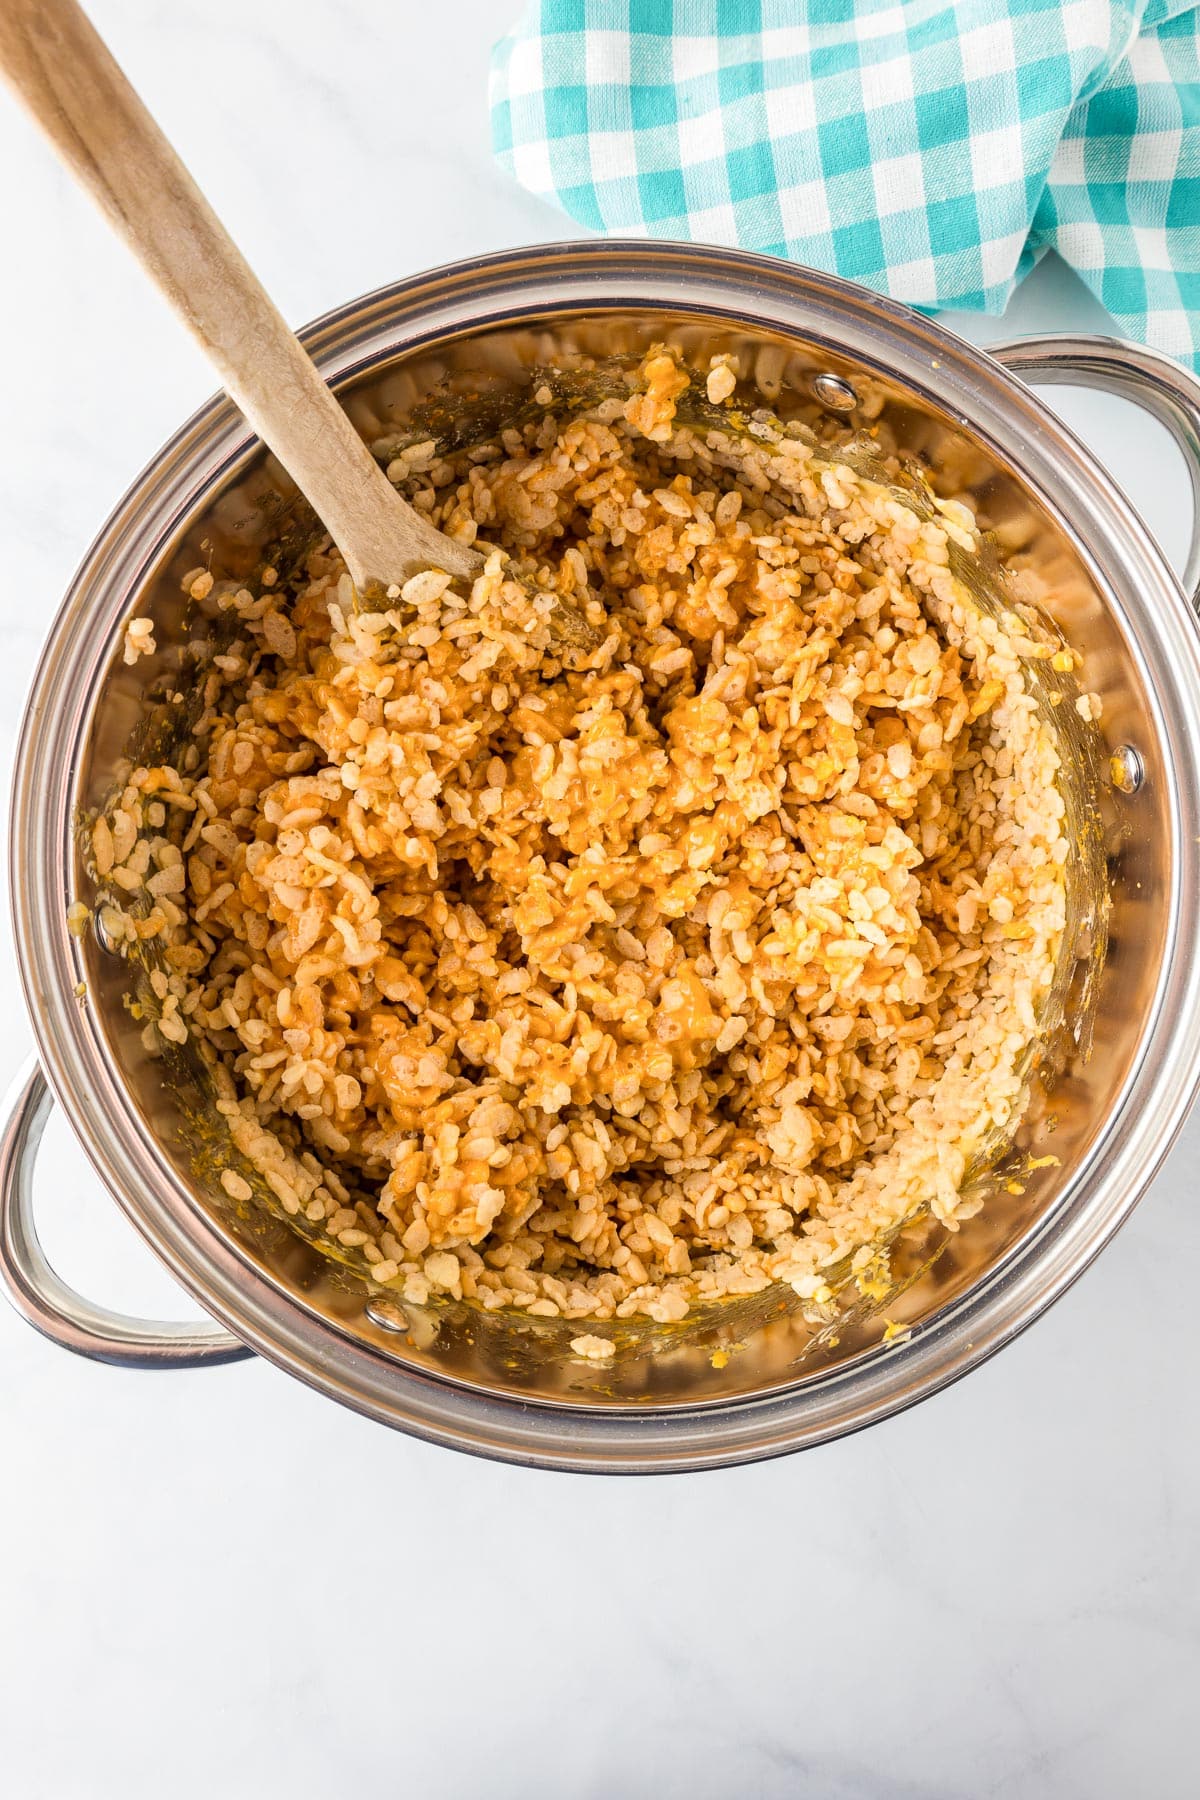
pixel 62 70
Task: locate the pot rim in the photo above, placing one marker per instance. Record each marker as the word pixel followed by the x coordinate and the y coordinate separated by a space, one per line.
pixel 516 287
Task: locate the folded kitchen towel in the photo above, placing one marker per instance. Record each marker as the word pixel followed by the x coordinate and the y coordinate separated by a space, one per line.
pixel 933 150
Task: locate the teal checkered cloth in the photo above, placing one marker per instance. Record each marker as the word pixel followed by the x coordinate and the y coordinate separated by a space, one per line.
pixel 931 150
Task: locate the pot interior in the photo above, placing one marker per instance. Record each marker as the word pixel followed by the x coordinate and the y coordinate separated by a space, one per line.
pixel 763 1343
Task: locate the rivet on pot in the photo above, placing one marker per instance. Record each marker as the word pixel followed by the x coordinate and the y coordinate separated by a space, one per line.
pixel 103 937
pixel 386 1314
pixel 1126 769
pixel 834 392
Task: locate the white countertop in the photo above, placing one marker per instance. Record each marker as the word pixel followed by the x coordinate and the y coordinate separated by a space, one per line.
pixel 218 1584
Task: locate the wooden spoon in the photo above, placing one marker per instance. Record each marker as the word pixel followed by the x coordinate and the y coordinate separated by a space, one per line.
pixel 60 67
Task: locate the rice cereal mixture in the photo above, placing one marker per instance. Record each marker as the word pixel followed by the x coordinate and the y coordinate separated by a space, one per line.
pixel 606 984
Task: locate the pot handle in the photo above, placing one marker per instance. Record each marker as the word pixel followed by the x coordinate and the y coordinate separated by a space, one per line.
pixel 1151 380
pixel 48 1303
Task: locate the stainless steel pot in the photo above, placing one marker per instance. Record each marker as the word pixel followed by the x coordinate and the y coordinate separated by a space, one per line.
pixel 504 1387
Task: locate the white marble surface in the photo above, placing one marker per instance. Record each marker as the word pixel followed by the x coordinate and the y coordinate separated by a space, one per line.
pixel 215 1583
